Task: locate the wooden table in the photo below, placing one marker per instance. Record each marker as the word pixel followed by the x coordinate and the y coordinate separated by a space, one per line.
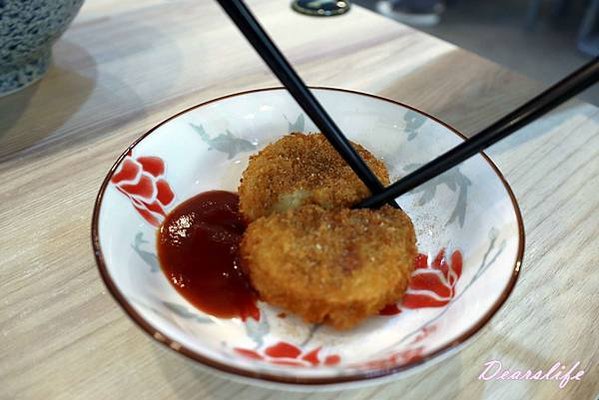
pixel 126 65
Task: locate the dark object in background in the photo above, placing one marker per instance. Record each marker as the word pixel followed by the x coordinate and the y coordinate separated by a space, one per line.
pixel 413 12
pixel 588 36
pixel 321 8
pixel 588 31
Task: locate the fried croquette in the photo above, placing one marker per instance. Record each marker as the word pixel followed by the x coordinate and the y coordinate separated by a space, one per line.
pixel 301 169
pixel 333 266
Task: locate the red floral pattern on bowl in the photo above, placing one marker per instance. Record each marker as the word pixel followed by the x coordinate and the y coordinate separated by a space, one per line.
pixel 142 180
pixel 283 353
pixel 432 284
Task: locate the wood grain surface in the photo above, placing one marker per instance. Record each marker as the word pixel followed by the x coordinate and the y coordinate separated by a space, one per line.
pixel 124 66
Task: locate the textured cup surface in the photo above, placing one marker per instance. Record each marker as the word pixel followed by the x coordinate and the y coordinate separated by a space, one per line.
pixel 27 31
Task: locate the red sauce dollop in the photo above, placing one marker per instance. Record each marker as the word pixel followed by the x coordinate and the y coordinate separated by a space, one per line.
pixel 198 249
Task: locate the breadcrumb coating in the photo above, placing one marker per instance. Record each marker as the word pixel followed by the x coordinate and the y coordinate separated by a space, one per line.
pixel 336 266
pixel 301 169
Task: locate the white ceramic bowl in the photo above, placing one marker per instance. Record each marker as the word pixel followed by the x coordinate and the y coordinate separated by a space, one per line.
pixel 469 213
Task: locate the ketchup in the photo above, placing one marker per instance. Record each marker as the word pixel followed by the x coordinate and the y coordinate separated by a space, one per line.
pixel 198 249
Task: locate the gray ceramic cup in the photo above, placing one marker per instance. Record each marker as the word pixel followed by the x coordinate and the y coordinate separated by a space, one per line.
pixel 28 28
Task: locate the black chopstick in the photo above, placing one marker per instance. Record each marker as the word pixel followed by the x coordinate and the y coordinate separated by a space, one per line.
pixel 258 38
pixel 557 94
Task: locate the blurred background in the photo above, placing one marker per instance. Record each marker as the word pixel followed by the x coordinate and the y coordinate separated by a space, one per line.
pixel 542 39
